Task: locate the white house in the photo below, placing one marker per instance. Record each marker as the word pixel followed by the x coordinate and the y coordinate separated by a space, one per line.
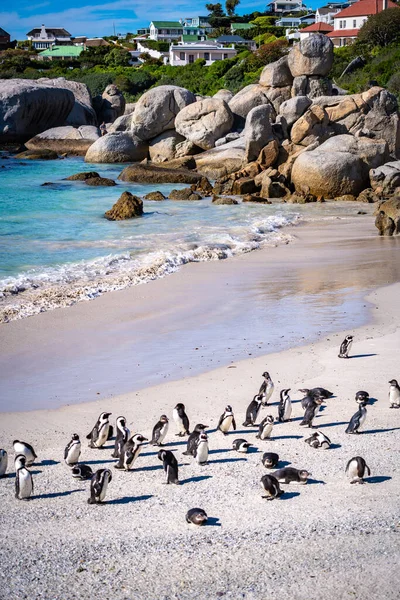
pixel 198 26
pixel 326 14
pixel 165 31
pixel 186 54
pixel 45 37
pixel 348 22
pixel 283 6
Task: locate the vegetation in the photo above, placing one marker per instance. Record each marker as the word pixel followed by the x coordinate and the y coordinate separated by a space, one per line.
pixel 381 29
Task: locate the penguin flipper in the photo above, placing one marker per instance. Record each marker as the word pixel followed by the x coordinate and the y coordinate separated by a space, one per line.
pixel 220 421
pixel 110 432
pixel 234 424
pixel 368 470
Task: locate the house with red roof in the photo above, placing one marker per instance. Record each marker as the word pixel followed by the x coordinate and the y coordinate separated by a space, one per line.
pixel 348 22
pixel 320 27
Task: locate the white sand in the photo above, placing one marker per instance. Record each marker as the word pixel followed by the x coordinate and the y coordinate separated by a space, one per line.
pixel 327 540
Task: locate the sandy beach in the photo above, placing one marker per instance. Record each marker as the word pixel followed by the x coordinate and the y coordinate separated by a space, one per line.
pixel 328 539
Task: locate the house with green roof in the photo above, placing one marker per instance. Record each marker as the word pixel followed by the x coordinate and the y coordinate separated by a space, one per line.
pixel 61 53
pixel 166 31
pixel 236 28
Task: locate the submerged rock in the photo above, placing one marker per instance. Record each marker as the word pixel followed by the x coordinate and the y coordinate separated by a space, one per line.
pixel 224 200
pixel 99 181
pixel 82 176
pixel 127 206
pixel 155 196
pixel 37 155
pixel 157 174
pixel 185 194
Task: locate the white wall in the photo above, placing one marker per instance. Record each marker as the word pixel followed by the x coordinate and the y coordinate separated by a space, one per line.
pixel 349 22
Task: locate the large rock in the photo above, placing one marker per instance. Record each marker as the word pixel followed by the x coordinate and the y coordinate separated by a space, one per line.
pixel 204 122
pixel 27 108
pixel 249 97
pixel 37 155
pixel 117 148
pixel 311 56
pixel 311 126
pixel 294 108
pixel 277 96
pixel 277 74
pixel 112 105
pixel 156 110
pixel 123 123
pixel 258 131
pixel 66 139
pixel 224 95
pixel 127 206
pixel 338 167
pixel 154 174
pixel 82 112
pixel 170 145
pixel 386 179
pixel 388 217
pixel 222 160
pixel 129 108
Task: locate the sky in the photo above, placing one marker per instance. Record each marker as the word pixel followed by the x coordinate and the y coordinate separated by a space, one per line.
pixel 93 18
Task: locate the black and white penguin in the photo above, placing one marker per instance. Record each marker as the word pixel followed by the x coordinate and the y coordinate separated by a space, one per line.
pixel 270 460
pixel 266 388
pixel 271 487
pixel 196 516
pixel 291 475
pixel 121 437
pixel 19 462
pixel 100 432
pixel 160 430
pixel 362 397
pixel 170 465
pixel 307 399
pixel 3 462
pixel 241 445
pixel 394 394
pixel 201 451
pixel 130 451
pixel 285 406
pixel 26 450
pixel 23 480
pixel 72 451
pixel 357 420
pixel 265 428
pixel 181 420
pixel 82 472
pixel 193 438
pixel 345 346
pixel 227 420
pixel 356 469
pixel 318 440
pixel 252 410
pixel 319 392
pixel 98 486
pixel 311 412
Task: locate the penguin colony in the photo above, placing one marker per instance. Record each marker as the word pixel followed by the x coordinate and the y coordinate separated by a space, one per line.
pixel 127 447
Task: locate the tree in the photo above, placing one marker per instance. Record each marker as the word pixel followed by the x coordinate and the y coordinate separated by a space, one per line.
pixel 230 6
pixel 215 10
pixel 117 57
pixel 381 29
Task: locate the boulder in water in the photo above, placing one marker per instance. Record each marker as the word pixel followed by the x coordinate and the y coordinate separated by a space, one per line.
pixel 127 206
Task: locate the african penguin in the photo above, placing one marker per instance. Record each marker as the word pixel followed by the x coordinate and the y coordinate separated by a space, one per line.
pixel 291 475
pixel 130 451
pixel 72 451
pixel 23 480
pixel 170 465
pixel 82 472
pixel 121 437
pixel 26 450
pixel 201 450
pixel 160 430
pixel 3 462
pixel 345 346
pixel 270 460
pixel 356 468
pixel 266 388
pixel 265 428
pixel 226 420
pixel 285 406
pixel 19 462
pixel 271 487
pixel 357 420
pixel 311 412
pixel 394 394
pixel 240 445
pixel 317 391
pixel 192 440
pixel 98 486
pixel 362 397
pixel 318 440
pixel 100 432
pixel 252 410
pixel 196 516
pixel 181 420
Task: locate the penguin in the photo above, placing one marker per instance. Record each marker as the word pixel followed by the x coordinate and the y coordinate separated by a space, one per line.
pixel 99 434
pixel 356 468
pixel 291 475
pixel 160 430
pixel 122 436
pixel 271 487
pixel 131 450
pixel 170 465
pixel 270 460
pixel 227 420
pixel 201 450
pixel 311 412
pixel 285 406
pixel 26 450
pixel 23 480
pixel 181 420
pixel 19 462
pixel 252 410
pixel 3 462
pixel 362 397
pixel 72 451
pixel 357 420
pixel 98 486
pixel 266 388
pixel 318 392
pixel 265 428
pixel 318 440
pixel 82 472
pixel 196 516
pixel 193 438
pixel 308 398
pixel 241 445
pixel 345 346
pixel 394 394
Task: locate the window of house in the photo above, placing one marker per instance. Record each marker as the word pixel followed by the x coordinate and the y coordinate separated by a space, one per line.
pixel 191 59
pixel 181 56
pixel 354 23
pixel 225 56
pixel 206 56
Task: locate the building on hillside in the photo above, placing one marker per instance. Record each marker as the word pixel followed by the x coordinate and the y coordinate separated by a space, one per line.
pixel 348 22
pixel 326 14
pixel 237 28
pixel 198 26
pixel 237 40
pixel 286 6
pixel 293 25
pixel 320 27
pixel 61 53
pixel 186 54
pixel 5 39
pixel 166 31
pixel 145 31
pixel 89 42
pixel 142 48
pixel 45 37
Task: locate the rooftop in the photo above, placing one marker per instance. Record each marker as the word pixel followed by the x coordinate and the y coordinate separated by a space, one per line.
pixel 321 27
pixel 167 24
pixel 230 39
pixel 342 33
pixel 3 32
pixel 364 8
pixel 242 26
pixel 62 51
pixel 56 31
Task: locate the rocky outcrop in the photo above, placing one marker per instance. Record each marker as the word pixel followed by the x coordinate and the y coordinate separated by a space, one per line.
pixel 311 56
pixel 248 98
pixel 123 123
pixel 170 145
pixel 156 110
pixel 127 206
pixel 222 160
pixel 388 217
pixel 277 74
pixel 386 179
pixel 117 148
pixel 294 108
pixel 221 200
pixel 258 131
pixel 185 194
pixel 155 174
pixel 155 196
pixel 100 182
pixel 311 127
pixel 82 112
pixel 37 155
pixel 224 95
pixel 82 176
pixel 66 139
pixel 204 122
pixel 112 104
pixel 129 108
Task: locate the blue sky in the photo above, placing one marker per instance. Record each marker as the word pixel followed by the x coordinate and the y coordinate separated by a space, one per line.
pixel 93 18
